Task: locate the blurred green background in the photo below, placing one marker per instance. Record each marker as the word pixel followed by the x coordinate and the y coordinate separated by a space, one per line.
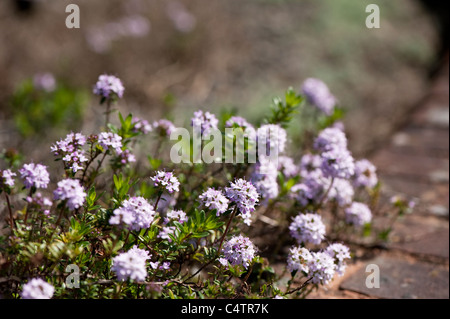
pixel 178 56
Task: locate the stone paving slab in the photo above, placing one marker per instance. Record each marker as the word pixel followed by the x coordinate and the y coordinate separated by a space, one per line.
pixel 412 167
pixel 402 279
pixel 434 244
pixel 421 141
pixel 425 193
pixel 434 113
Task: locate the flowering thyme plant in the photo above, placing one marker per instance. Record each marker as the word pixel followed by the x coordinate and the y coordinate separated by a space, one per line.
pixel 187 230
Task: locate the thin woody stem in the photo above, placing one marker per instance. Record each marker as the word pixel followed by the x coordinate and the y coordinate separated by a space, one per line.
pixel 11 220
pixel 226 230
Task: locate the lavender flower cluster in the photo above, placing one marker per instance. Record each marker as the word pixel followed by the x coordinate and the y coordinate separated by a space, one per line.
pixel 136 213
pixel 320 266
pixel 238 250
pixel 70 150
pixel 109 87
pixel 245 196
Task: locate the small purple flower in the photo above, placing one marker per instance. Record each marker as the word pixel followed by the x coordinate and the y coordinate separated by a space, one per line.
pixel 237 121
pixel 365 174
pixel 358 214
pixel 182 19
pixel 238 250
pixel 141 126
pixel 7 178
pixel 309 162
pixel 340 253
pixel 338 163
pixel 342 191
pixel 109 87
pixel 245 196
pixel 45 82
pixel 72 142
pixel 41 202
pixel 71 191
pixel 311 189
pixel 34 175
pixel 163 127
pixel 319 95
pixel 167 181
pixel 166 231
pixel 109 140
pixel 141 253
pixel 70 150
pixel 176 215
pixel 130 265
pixel 308 228
pixel 214 199
pixel 135 212
pixel 264 177
pixel 298 259
pixel 37 288
pixel 330 139
pixel 287 166
pixel 126 157
pixel 321 268
pixel 204 121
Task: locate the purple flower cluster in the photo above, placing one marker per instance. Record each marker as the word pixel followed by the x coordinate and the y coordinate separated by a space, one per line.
pixel 365 174
pixel 204 121
pixel 320 266
pixel 71 191
pixel 274 136
pixel 42 203
pixel 214 199
pixel 172 216
pixel 34 175
pixel 329 139
pixel 176 215
pixel 287 166
pixel 313 183
pixel 337 161
pixel 319 95
pixel 109 87
pixel 37 288
pixel 238 250
pixel 299 259
pixel 163 127
pixel 358 214
pixel 237 121
pixel 342 191
pixel 70 150
pixel 308 228
pixel 7 179
pixel 245 196
pixel 340 253
pixel 131 265
pixel 142 126
pixel 167 181
pixel 264 177
pixel 111 140
pixel 135 212
pixel 126 157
